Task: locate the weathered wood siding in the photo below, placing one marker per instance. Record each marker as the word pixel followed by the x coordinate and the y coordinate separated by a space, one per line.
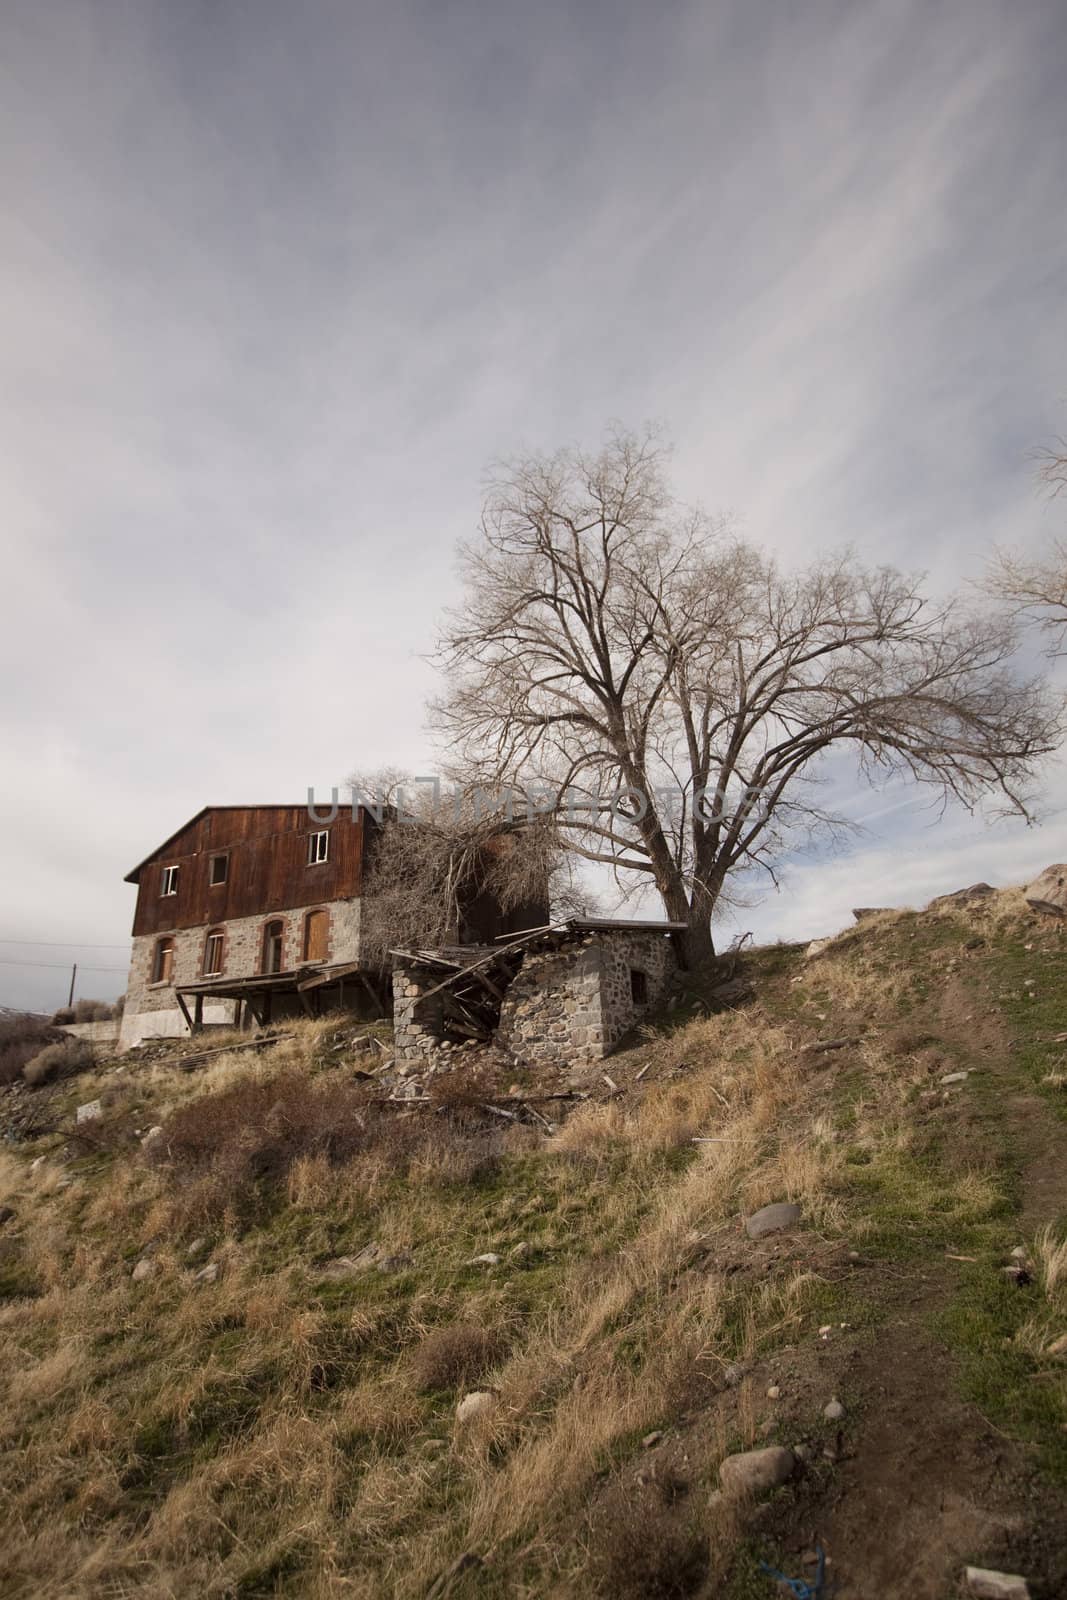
pixel 267 870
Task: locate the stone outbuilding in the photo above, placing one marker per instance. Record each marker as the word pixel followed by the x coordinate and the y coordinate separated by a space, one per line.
pixel 565 993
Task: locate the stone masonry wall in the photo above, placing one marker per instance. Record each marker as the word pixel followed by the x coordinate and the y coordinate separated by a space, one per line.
pixel 151 1008
pixel 575 1003
pixel 565 1005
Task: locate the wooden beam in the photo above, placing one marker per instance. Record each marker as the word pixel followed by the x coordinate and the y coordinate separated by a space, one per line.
pixel 198 1014
pixel 184 1009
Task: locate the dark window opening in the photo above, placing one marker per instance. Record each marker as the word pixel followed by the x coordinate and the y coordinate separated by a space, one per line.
pixel 170 881
pixel 163 963
pixel 218 870
pixel 273 946
pixel 213 953
pixel 638 986
pixel 318 847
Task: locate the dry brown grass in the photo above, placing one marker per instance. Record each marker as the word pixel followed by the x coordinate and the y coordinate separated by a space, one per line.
pixel 278 1431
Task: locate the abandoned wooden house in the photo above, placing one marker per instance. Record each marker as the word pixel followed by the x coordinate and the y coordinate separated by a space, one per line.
pixel 254 913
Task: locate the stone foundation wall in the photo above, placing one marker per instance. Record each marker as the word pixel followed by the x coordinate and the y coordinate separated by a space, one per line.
pixel 151 1008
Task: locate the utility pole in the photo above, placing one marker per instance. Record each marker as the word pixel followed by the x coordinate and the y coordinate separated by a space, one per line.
pixel 73 975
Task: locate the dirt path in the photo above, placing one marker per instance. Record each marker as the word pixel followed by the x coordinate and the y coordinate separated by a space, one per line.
pixel 923 1482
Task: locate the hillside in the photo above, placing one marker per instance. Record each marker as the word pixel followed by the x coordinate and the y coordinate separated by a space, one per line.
pixel 233 1353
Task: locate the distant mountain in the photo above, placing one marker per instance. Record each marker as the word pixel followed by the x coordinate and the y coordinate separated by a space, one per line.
pixel 13 1014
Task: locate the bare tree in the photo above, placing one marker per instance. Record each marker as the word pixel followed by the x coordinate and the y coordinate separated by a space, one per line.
pixel 675 691
pixel 437 851
pixel 1037 587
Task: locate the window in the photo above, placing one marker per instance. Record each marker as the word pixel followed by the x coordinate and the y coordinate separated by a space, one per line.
pixel 316 930
pixel 170 881
pixel 318 845
pixel 273 947
pixel 213 948
pixel 218 870
pixel 163 962
pixel 638 987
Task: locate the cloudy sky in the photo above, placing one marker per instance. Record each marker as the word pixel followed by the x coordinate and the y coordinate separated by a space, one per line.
pixel 279 281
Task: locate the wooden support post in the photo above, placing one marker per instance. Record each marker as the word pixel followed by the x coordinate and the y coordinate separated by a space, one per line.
pixel 184 1009
pixel 198 1014
pixel 372 991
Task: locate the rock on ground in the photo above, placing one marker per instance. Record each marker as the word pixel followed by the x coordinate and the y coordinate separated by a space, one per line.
pixel 816 948
pixel 753 1471
pixel 989 1585
pixel 772 1219
pixel 476 1404
pixel 1049 891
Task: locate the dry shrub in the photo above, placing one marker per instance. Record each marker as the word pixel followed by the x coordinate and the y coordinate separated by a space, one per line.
pixel 459 1354
pixel 21 1038
pixel 290 1131
pixel 465 1086
pixel 639 1548
pixel 60 1060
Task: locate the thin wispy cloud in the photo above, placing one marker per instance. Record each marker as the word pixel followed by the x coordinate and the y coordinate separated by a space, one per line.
pixel 280 281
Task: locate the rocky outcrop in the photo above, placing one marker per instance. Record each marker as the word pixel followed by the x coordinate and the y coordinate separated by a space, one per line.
pixel 1049 892
pixel 962 897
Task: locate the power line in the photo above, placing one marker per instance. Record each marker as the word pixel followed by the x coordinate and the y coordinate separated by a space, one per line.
pixel 67 944
pixel 57 966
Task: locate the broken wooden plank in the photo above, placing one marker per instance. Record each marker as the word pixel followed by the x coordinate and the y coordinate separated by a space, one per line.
pixel 258 1043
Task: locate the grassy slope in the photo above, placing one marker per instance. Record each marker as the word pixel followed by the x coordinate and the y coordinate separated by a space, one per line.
pixel 279 1432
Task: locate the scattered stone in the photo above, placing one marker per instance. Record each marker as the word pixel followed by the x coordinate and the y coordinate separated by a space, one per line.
pixel 520 1251
pixel 476 1404
pixel 208 1274
pixel 1048 892
pixel 195 1248
pixel 152 1138
pixel 1018 1275
pixel 37 1163
pixel 145 1268
pixel 986 1584
pixel 1058 1347
pixel 651 1439
pixel 89 1112
pixel 862 912
pixel 954 1077
pixel 816 948
pixel 1020 1253
pixel 753 1471
pixel 732 1376
pixel 772 1219
pixel 773 1393
pixel 834 1411
pixel 486 1260
pixel 348 1266
pixel 398 1263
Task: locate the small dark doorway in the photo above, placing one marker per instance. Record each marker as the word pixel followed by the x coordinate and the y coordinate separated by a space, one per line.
pixel 638 986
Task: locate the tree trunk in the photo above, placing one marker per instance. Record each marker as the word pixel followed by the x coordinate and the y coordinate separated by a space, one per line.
pixel 698 946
